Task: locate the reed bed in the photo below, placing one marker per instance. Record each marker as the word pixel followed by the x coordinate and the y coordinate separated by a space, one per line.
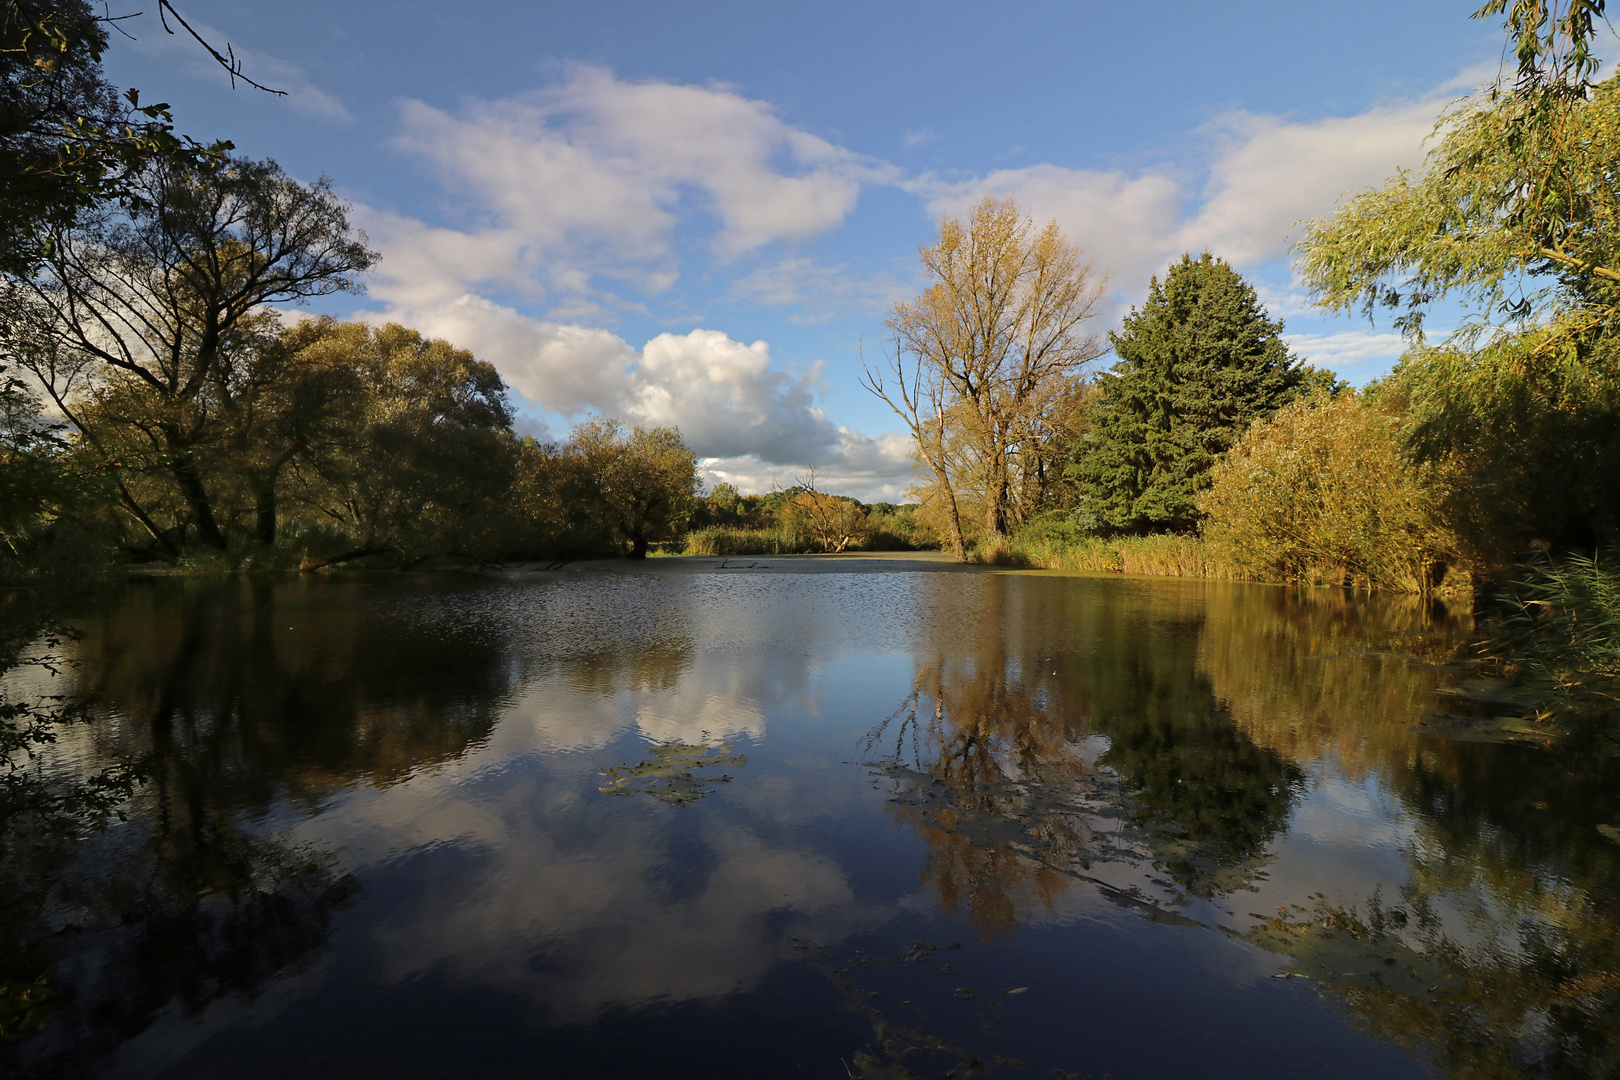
pixel 1162 556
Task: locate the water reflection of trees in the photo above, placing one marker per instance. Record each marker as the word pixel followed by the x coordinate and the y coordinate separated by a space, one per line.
pixel 1007 802
pixel 1511 888
pixel 232 697
pixel 254 690
pixel 1499 953
pixel 1011 785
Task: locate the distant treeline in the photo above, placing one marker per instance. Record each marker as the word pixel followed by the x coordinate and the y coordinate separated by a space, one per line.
pixel 802 519
pixel 322 443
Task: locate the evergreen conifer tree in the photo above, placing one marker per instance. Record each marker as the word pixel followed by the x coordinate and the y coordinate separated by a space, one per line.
pixel 1197 364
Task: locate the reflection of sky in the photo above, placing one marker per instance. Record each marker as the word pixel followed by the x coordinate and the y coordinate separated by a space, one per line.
pixel 506 870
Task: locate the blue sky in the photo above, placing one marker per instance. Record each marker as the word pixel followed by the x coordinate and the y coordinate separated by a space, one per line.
pixel 700 213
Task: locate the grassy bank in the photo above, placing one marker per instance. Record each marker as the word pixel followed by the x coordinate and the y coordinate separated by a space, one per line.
pixel 728 540
pixel 1164 556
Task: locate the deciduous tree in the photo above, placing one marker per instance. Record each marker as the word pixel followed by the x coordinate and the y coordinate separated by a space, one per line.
pixel 980 356
pixel 156 296
pixel 644 482
pixel 424 465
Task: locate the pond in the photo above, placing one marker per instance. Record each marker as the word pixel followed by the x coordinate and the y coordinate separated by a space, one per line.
pixel 798 817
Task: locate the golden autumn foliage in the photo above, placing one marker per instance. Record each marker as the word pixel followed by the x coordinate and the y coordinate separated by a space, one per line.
pixel 1322 493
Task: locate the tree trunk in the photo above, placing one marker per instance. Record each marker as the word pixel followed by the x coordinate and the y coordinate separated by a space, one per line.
pixel 189 480
pixel 952 517
pixel 264 507
pixel 196 496
pixel 995 490
pixel 638 544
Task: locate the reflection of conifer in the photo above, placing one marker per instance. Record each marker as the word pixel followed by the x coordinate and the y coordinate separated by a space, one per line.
pixel 1206 799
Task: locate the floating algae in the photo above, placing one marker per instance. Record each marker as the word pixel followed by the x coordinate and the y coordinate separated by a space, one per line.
pixel 671 774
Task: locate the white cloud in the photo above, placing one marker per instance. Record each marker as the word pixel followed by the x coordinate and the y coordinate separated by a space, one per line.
pixel 1347 349
pixel 869 468
pixel 423 265
pixel 1270 173
pixel 1264 174
pixel 563 369
pixel 913 139
pixel 727 400
pixel 594 174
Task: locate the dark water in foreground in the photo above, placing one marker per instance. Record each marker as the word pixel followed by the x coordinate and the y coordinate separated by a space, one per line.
pixel 974 824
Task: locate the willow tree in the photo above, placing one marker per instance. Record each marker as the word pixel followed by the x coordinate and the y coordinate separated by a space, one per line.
pixel 642 485
pixel 1515 210
pixel 420 464
pixel 157 293
pixel 979 359
pixel 1516 213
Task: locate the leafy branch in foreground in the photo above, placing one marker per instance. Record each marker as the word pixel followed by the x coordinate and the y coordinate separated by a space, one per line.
pixel 29 726
pixel 1515 208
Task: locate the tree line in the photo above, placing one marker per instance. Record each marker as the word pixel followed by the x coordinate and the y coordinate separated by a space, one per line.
pixel 156 405
pixel 1499 440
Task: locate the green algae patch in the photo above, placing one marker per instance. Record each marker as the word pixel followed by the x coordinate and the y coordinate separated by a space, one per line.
pixel 676 773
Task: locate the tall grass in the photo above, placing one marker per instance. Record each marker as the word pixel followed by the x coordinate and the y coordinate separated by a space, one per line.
pixel 1164 556
pixel 721 540
pixel 1557 630
pixel 882 534
pixel 1056 541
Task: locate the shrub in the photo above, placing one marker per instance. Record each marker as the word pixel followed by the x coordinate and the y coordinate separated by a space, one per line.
pixel 822 522
pixel 1323 494
pixel 892 527
pixel 719 540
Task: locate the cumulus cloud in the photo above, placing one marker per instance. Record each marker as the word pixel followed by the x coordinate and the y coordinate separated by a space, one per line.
pixel 1264 174
pixel 727 399
pixel 749 420
pixel 594 174
pixel 869 468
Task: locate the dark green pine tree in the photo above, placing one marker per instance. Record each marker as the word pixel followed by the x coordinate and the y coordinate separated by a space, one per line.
pixel 1197 364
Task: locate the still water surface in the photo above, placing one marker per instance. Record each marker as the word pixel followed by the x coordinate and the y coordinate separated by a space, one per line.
pixel 694 822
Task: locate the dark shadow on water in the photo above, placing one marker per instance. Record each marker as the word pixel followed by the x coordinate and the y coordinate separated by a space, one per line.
pixel 225 712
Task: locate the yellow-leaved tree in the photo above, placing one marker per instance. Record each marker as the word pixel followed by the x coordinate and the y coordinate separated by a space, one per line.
pixel 983 359
pixel 1322 493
